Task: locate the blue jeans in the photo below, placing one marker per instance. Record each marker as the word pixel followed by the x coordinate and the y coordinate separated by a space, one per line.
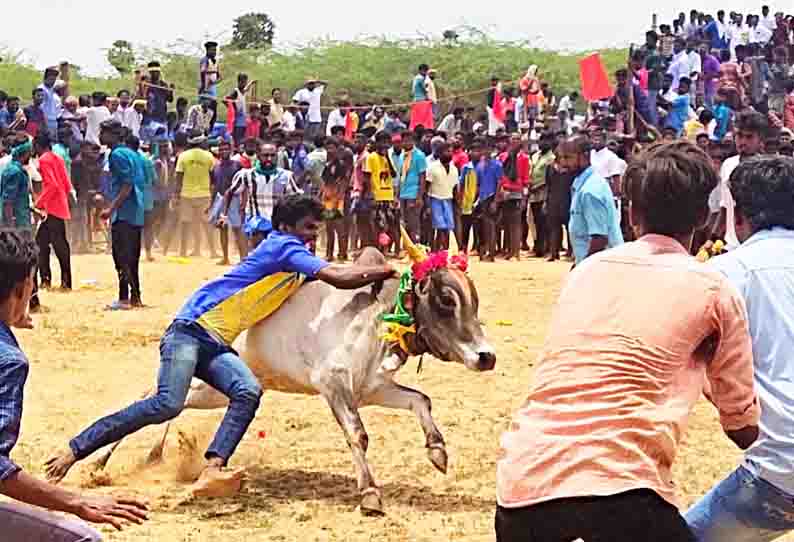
pixel 186 350
pixel 742 508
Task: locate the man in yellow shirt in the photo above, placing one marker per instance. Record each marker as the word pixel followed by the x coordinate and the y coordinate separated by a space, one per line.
pixel 193 170
pixel 379 177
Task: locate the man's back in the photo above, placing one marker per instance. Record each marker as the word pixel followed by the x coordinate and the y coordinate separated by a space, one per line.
pixel 762 269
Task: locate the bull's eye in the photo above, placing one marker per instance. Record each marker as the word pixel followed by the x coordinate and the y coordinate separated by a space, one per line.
pixel 447 302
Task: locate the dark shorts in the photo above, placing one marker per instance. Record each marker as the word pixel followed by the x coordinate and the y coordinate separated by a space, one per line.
pixel 625 517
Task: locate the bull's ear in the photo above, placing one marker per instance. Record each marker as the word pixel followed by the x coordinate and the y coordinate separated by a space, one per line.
pixel 423 287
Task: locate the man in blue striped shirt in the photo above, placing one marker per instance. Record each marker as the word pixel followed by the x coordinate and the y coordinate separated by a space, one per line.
pixel 22 523
pixel 756 502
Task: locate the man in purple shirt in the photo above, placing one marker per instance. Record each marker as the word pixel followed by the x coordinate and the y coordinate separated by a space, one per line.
pixel 711 74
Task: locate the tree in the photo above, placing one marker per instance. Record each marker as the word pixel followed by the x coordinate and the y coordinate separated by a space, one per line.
pixel 253 31
pixel 122 57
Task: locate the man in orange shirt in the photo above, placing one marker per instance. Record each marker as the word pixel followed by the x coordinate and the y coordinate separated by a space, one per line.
pixel 638 333
pixel 54 202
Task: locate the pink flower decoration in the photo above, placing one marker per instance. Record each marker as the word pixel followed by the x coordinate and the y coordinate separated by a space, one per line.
pixel 435 261
pixel 461 261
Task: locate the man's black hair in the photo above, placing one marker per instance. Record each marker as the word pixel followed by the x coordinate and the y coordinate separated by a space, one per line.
pixel 295 208
pixel 18 258
pixel 122 91
pixel 763 188
pixel 574 94
pixel 43 141
pixel 99 96
pixel 132 142
pixel 50 71
pixel 3 96
pixel 423 67
pixel 753 122
pixel 382 137
pixel 338 130
pixel 319 141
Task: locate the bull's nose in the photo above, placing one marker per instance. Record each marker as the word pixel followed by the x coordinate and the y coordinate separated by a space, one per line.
pixel 487 361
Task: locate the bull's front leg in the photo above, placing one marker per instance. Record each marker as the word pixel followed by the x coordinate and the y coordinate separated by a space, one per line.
pixel 347 416
pixel 392 395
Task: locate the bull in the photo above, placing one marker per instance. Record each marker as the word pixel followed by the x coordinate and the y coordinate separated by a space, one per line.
pixel 329 342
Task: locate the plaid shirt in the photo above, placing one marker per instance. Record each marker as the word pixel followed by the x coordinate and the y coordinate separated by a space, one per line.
pixel 13 374
pixel 264 191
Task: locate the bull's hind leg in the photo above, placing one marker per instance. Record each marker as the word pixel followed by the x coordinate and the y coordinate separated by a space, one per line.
pixel 200 397
pixel 349 420
pixel 393 395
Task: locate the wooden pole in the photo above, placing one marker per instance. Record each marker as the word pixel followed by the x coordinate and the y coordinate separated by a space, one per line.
pixel 655 22
pixel 630 89
pixel 63 68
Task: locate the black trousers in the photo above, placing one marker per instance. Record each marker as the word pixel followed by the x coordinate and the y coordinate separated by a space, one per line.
pixel 541 236
pixel 52 232
pixel 626 517
pixel 126 240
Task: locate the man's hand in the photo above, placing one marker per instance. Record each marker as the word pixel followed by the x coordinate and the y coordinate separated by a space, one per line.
pixel 110 510
pixel 105 214
pixel 222 220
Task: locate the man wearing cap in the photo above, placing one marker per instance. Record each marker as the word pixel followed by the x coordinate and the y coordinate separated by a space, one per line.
pixel 126 214
pixel 312 93
pixel 210 76
pixel 52 102
pixel 158 95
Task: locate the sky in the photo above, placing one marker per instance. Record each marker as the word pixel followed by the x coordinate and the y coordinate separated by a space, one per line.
pixel 81 31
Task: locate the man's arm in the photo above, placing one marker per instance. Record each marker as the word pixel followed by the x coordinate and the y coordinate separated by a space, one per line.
pixel 353 277
pixel 124 193
pixel 730 374
pixel 29 490
pixel 596 216
pixel 598 243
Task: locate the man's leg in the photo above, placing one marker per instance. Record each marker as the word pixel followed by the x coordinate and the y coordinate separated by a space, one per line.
pixel 203 220
pixel 22 523
pixel 180 351
pixel 223 235
pixel 330 239
pixel 62 251
pixel 242 243
pixel 43 241
pixel 148 232
pixel 118 234
pixel 136 234
pixel 742 508
pixel 228 374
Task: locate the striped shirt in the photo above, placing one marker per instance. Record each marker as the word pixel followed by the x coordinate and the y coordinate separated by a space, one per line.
pixel 13 375
pixel 264 190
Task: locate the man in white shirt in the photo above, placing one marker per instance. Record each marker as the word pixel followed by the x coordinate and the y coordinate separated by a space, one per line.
pixel 452 123
pixel 95 116
pixel 749 130
pixel 336 118
pixel 432 95
pixel 768 20
pixel 606 163
pixel 695 65
pixel 759 33
pixel 312 94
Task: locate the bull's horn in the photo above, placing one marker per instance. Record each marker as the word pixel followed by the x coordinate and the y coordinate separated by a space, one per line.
pixel 416 254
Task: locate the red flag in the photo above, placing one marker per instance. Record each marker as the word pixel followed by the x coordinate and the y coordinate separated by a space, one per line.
pixel 422 114
pixel 230 118
pixel 595 82
pixel 350 126
pixel 497 106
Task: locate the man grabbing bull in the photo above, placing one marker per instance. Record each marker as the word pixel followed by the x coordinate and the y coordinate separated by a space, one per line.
pixel 199 343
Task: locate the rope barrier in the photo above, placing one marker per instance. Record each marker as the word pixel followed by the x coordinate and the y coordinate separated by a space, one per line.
pixel 330 108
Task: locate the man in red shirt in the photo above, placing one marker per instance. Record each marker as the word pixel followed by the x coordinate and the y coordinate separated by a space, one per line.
pixel 53 200
pixel 517 169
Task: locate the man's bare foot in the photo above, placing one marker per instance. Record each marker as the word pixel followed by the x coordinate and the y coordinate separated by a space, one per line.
pixel 224 262
pixel 58 467
pixel 218 482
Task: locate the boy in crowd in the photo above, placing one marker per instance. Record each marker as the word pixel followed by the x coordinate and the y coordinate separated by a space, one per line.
pixel 442 178
pixel 222 174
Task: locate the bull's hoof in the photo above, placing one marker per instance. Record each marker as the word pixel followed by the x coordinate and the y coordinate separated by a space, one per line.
pixel 438 457
pixel 371 504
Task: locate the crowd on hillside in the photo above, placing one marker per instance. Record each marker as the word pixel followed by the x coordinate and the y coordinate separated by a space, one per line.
pixel 489 175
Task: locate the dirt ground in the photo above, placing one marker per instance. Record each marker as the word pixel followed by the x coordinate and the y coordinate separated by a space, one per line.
pixel 87 362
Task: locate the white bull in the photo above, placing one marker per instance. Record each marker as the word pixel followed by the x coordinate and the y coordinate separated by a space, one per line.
pixel 327 342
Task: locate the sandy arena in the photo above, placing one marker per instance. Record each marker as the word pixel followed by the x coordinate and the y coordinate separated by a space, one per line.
pixel 87 362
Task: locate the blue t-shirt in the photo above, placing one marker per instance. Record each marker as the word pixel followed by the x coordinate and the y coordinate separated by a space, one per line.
pixel 679 113
pixel 712 31
pixel 419 90
pixel 15 189
pixel 409 186
pixel 593 212
pixel 489 173
pixel 149 175
pixel 722 114
pixel 126 168
pixel 254 289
